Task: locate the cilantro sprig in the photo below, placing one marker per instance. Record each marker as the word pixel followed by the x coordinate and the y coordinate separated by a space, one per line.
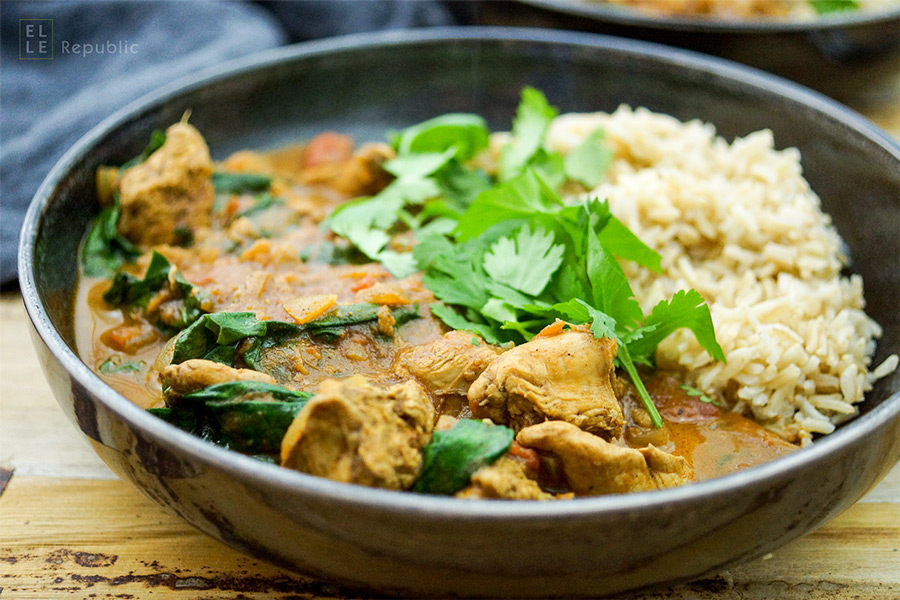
pixel 519 259
pixel 428 169
pixel 504 254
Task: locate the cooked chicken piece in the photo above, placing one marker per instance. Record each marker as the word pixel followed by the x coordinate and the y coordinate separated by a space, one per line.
pixel 667 470
pixel 450 364
pixel 360 175
pixel 566 377
pixel 506 479
pixel 197 373
pixel 354 432
pixel 171 192
pixel 593 466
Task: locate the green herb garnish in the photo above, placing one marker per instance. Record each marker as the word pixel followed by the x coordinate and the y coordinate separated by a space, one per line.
pixel 452 457
pixel 692 391
pixel 263 202
pixel 128 290
pixel 240 183
pixel 824 7
pixel 216 336
pixel 114 364
pixel 157 139
pixel 247 416
pixel 521 260
pixel 513 257
pixel 105 249
pixel 589 162
pixel 431 185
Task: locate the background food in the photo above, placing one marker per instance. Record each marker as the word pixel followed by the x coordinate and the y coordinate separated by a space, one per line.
pixel 749 9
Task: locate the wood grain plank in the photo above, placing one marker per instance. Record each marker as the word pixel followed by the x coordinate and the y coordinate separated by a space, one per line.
pixel 36 438
pixel 118 544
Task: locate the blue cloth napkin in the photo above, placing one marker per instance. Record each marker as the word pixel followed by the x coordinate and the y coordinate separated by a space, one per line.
pixel 107 54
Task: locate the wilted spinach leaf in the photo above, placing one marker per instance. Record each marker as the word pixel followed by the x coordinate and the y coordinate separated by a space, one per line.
pixel 240 183
pixel 452 456
pixel 128 290
pixel 216 336
pixel 157 139
pixel 247 416
pixel 243 390
pixel 105 249
pixel 114 364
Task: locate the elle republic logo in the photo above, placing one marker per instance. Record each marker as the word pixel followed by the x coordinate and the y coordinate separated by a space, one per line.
pixel 35 39
pixel 36 42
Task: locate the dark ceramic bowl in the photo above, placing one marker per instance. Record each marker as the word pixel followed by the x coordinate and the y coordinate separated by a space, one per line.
pixel 408 543
pixel 835 54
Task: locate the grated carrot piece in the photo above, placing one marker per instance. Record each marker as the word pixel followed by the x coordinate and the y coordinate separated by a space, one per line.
pixel 554 328
pixel 305 309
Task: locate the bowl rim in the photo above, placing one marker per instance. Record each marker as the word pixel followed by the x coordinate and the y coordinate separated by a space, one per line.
pixel 621 15
pixel 266 475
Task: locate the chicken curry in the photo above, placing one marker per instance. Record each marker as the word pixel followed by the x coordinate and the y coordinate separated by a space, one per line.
pixel 240 301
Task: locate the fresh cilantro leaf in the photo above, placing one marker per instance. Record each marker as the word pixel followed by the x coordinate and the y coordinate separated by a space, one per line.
pixel 398 264
pixel 574 311
pixel 414 167
pixel 498 310
pixel 454 320
pixel 365 222
pixel 699 395
pixel 459 186
pixel 466 134
pixel 610 291
pixel 524 262
pixel 377 212
pixel 518 198
pixel 602 325
pixel 620 241
pixel 550 166
pixel 451 275
pixel 685 309
pixel 589 162
pixel 530 126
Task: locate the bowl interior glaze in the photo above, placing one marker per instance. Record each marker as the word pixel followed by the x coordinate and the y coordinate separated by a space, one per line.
pixel 364 86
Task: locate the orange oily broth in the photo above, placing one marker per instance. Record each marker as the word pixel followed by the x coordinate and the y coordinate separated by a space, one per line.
pixel 716 442
pixel 92 319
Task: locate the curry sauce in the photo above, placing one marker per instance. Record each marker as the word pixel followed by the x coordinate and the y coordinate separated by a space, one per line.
pixel 254 306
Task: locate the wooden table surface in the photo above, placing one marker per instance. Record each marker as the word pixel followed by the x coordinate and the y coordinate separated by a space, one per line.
pixel 70 529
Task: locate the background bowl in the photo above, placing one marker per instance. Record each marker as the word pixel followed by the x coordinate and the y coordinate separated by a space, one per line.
pixel 837 54
pixel 413 544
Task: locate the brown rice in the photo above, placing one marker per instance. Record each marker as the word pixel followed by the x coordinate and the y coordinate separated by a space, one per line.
pixel 740 224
